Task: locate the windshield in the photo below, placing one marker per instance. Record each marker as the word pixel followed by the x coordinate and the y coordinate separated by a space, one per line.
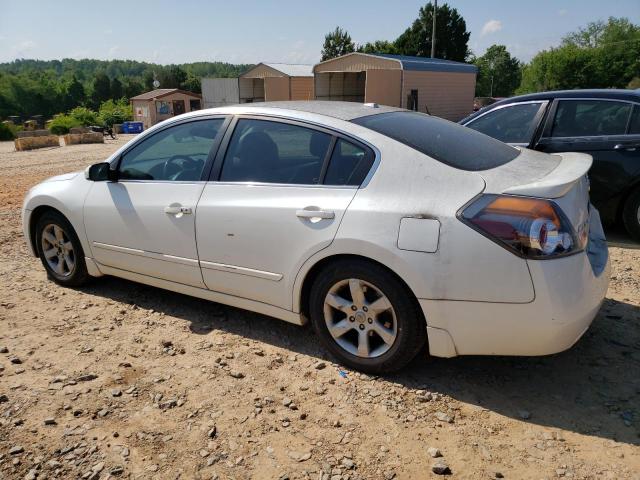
pixel 447 142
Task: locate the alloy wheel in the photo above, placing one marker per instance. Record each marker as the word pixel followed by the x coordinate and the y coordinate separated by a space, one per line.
pixel 360 318
pixel 57 250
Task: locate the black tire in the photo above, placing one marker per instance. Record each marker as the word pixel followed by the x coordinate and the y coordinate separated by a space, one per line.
pixel 411 327
pixel 74 277
pixel 631 214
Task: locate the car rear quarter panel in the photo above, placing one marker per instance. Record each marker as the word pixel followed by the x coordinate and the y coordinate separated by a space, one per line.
pixel 465 266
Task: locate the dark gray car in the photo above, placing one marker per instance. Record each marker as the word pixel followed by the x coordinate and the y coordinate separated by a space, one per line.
pixel 602 123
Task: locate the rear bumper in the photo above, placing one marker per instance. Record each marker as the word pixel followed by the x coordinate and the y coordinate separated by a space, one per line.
pixel 568 294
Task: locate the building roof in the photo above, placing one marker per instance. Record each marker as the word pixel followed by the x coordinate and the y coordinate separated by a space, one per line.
pixel 342 110
pixel 425 64
pixel 292 69
pixel 163 92
pixel 287 69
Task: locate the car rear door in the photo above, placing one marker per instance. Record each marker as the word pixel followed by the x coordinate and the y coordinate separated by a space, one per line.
pixel 602 128
pixel 277 195
pixel 144 222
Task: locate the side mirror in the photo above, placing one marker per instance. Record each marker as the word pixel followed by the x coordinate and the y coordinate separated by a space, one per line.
pixel 101 172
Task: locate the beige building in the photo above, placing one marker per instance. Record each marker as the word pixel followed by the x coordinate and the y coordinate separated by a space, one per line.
pixel 431 85
pixel 158 105
pixel 264 82
pixel 267 82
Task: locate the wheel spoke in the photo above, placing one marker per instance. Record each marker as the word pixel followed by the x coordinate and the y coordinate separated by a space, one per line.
pixel 58 233
pixel 363 343
pixel 52 252
pixel 49 238
pixel 357 292
pixel 337 302
pixel 385 333
pixel 69 261
pixel 59 267
pixel 340 328
pixel 68 246
pixel 380 305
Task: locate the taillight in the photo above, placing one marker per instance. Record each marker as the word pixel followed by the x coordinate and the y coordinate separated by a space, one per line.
pixel 530 227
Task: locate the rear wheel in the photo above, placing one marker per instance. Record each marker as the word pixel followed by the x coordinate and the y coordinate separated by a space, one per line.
pixel 366 317
pixel 631 214
pixel 60 250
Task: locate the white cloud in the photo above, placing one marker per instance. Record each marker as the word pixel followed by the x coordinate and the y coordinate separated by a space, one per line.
pixel 492 26
pixel 563 12
pixel 113 50
pixel 108 31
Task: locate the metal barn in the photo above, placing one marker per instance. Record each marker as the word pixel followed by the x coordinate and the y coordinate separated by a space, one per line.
pixel 431 85
pixel 264 82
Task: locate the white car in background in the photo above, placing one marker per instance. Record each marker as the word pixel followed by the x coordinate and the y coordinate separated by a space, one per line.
pixel 390 230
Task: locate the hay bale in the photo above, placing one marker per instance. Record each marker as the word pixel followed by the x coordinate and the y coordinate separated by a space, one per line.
pixel 79 130
pixel 72 138
pixel 33 133
pixel 31 143
pixel 92 137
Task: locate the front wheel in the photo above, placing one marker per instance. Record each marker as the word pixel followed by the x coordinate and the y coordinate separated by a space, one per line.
pixel 631 214
pixel 366 317
pixel 60 250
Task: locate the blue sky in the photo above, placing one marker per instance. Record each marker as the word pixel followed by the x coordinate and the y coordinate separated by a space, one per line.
pixel 290 31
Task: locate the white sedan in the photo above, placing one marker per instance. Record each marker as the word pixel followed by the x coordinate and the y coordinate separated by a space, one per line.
pixel 389 229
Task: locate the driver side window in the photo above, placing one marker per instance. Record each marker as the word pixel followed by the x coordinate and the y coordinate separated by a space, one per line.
pixel 177 153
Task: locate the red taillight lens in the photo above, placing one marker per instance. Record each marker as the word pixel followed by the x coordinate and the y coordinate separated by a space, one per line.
pixel 531 227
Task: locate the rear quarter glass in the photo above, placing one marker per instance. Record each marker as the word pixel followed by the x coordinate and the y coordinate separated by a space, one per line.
pixel 452 144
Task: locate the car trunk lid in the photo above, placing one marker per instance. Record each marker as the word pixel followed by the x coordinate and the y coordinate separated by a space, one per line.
pixel 560 177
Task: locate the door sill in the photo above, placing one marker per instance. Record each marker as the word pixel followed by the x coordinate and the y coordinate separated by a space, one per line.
pixel 231 300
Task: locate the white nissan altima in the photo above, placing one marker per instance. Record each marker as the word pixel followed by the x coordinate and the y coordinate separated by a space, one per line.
pixel 390 230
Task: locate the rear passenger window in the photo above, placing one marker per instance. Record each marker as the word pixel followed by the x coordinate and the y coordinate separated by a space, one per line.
pixel 274 152
pixel 349 164
pixel 586 118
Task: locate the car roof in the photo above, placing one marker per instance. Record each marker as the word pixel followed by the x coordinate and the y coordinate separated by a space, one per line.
pixel 610 93
pixel 341 110
pixel 606 93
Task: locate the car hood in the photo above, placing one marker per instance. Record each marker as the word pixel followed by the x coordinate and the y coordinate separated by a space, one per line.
pixel 62 178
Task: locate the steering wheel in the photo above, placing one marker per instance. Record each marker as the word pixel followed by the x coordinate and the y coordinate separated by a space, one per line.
pixel 187 163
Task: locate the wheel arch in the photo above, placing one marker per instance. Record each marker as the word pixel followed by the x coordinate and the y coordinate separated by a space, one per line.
pixel 313 272
pixel 36 214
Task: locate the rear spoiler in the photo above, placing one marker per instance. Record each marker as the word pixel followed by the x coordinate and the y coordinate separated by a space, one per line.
pixel 572 167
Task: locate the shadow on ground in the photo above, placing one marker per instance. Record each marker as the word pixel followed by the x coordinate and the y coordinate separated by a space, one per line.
pixel 592 389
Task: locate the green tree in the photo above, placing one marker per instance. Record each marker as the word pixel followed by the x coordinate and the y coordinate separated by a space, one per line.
pixel 499 74
pixel 101 89
pixel 600 55
pixel 379 46
pixel 74 93
pixel 337 43
pixel 116 89
pixel 132 87
pixel 452 37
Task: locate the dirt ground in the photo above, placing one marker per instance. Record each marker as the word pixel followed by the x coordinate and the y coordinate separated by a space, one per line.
pixel 120 380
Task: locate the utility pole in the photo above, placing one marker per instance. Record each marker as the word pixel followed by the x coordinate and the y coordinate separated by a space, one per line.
pixel 433 30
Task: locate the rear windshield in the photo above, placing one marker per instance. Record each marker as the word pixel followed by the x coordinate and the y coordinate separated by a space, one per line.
pixel 447 142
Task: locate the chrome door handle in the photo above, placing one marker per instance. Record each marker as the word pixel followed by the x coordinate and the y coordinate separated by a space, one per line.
pixel 175 210
pixel 628 148
pixel 324 214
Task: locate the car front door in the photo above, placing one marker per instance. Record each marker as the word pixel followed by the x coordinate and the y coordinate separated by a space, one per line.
pixel 144 222
pixel 277 196
pixel 514 123
pixel 603 129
